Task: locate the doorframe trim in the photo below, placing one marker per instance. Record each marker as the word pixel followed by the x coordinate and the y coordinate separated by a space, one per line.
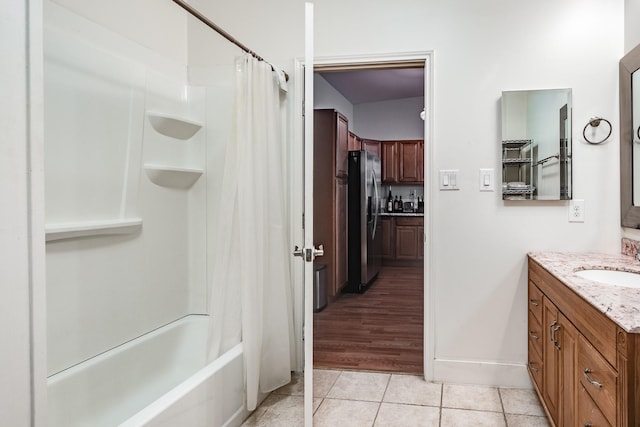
pixel 405 60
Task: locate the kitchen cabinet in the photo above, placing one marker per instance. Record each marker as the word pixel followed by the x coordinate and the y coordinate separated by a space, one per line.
pixel 402 162
pixel 389 162
pixel 388 239
pixel 355 143
pixel 402 240
pixel 410 161
pixel 589 372
pixel 330 194
pixel 342 145
pixel 372 147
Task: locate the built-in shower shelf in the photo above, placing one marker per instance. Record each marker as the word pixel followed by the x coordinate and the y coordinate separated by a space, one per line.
pixel 172 177
pixel 72 230
pixel 173 126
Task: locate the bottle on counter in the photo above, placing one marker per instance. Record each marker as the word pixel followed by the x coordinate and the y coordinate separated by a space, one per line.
pixel 390 202
pixel 396 204
pixel 401 205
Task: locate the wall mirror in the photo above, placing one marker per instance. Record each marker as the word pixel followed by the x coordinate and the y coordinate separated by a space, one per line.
pixel 536 144
pixel 630 139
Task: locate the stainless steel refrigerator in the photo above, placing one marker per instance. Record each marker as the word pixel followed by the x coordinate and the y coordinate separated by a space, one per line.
pixel 364 225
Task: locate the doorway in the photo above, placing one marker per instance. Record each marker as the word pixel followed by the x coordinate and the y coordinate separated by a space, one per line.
pixel 383 328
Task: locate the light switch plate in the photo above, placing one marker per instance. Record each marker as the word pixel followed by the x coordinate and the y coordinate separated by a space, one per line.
pixel 487 178
pixel 449 179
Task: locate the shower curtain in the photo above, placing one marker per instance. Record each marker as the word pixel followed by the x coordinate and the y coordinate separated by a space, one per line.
pixel 251 285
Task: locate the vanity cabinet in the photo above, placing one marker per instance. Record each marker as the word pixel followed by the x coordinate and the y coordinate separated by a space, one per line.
pixel 584 367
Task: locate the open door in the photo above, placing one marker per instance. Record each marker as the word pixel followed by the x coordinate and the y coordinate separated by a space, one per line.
pixel 308 252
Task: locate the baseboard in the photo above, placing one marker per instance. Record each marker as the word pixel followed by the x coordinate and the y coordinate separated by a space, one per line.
pixel 481 373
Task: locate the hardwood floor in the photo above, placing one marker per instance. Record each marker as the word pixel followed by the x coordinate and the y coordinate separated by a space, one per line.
pixel 380 330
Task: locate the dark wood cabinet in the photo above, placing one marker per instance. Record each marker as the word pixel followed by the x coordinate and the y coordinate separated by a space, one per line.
pixel 355 143
pixel 342 145
pixel 388 239
pixel 551 359
pixel 403 162
pixel 372 147
pixel 410 158
pixel 330 154
pixel 402 240
pixel 389 162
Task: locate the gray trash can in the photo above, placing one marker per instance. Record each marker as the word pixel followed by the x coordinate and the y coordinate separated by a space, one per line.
pixel 319 287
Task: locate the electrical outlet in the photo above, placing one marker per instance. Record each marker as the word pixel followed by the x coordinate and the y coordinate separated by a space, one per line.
pixel 576 210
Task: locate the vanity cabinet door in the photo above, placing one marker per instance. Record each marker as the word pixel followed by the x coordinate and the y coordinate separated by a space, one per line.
pixel 550 359
pixel 568 342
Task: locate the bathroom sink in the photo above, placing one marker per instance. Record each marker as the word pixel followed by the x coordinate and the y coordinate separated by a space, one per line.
pixel 612 277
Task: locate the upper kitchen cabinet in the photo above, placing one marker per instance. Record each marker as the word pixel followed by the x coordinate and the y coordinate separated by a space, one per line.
pixel 342 144
pixel 355 143
pixel 410 154
pixel 389 162
pixel 372 147
pixel 402 162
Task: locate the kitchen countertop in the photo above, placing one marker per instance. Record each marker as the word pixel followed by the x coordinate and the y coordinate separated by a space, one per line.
pixel 621 304
pixel 420 214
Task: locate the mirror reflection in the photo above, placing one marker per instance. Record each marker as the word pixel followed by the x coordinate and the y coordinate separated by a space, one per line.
pixel 536 144
pixel 635 111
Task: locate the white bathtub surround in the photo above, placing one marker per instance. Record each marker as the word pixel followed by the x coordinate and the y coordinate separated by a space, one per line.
pixel 252 258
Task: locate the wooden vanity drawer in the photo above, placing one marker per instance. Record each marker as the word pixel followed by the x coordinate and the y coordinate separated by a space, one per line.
pixel 598 379
pixel 588 412
pixel 535 334
pixel 535 301
pixel 535 367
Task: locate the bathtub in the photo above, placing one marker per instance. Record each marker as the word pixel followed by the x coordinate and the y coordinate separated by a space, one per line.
pixel 158 379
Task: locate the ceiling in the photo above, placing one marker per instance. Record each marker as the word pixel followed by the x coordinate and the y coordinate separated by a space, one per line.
pixel 360 86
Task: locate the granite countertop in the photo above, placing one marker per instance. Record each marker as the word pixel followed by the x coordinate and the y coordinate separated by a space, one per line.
pixel 420 214
pixel 621 304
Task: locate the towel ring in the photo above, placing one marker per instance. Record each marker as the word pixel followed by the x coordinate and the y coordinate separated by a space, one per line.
pixel 595 122
pixel 638 133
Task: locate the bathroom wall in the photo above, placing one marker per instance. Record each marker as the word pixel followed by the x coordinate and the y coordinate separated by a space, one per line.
pixel 479 51
pixel 631 28
pixel 100 146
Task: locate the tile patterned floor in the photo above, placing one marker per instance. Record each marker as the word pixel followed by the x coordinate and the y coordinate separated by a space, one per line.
pixel 368 399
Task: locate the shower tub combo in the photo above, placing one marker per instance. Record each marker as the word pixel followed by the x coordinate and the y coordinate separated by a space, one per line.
pixel 158 379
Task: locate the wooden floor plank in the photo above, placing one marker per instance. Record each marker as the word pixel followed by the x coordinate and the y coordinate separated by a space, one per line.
pixel 380 330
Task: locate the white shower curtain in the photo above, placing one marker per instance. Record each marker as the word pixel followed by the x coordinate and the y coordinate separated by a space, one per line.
pixel 252 255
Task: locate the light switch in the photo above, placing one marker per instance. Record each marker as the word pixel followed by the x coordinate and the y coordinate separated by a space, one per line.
pixel 486 179
pixel 449 179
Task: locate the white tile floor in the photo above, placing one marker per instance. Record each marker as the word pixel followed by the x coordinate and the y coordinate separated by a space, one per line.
pixel 354 399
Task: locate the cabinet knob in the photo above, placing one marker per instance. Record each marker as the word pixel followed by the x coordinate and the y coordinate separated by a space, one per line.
pixel 533 335
pixel 534 302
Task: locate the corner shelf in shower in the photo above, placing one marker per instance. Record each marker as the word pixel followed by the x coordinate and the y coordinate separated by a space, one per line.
pixel 172 177
pixel 173 126
pixel 71 230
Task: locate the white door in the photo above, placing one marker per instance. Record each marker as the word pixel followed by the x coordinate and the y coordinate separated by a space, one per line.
pixel 308 252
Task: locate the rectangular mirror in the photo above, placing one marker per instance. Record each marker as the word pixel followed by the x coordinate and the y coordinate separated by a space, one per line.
pixel 630 139
pixel 536 144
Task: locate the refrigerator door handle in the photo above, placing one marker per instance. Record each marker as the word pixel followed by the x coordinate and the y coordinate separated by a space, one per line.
pixel 376 205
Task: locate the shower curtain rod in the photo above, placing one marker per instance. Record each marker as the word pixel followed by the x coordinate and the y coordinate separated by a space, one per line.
pixel 195 13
